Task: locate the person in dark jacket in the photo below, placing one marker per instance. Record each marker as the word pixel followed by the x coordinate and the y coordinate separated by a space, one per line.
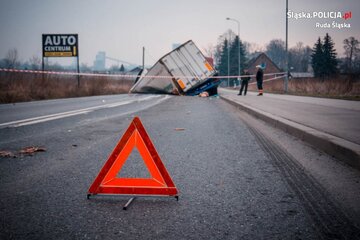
pixel 244 82
pixel 259 79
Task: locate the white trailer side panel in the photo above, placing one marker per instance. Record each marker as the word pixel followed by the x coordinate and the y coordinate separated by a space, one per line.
pixel 186 64
pixel 152 84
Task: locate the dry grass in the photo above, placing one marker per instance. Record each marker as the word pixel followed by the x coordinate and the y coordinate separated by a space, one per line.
pixel 19 87
pixel 340 87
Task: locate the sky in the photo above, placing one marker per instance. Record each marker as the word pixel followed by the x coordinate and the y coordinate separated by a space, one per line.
pixel 122 27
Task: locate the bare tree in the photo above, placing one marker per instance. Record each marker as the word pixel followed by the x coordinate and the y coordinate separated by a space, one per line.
pixel 209 50
pixel 276 51
pixel 351 46
pixel 252 47
pixel 299 57
pixel 35 62
pixel 114 68
pixel 85 68
pixel 226 35
pixel 11 59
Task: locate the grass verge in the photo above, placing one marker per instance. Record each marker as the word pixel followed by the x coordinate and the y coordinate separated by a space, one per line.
pixel 20 87
pixel 339 87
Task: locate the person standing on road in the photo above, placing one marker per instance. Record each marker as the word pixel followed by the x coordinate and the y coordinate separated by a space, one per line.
pixel 259 79
pixel 244 82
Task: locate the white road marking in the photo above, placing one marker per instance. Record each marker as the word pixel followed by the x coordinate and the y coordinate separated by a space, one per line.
pixel 49 119
pixel 45 118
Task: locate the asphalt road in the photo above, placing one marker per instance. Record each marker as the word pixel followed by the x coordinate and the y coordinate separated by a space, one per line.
pixel 230 186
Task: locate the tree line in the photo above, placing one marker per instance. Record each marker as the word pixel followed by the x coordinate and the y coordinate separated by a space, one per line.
pixel 325 62
pixel 322 59
pixel 12 61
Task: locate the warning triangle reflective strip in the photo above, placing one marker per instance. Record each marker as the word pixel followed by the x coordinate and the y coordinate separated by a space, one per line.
pixel 160 182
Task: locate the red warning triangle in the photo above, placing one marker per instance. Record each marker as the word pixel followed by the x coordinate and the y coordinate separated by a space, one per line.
pixel 160 182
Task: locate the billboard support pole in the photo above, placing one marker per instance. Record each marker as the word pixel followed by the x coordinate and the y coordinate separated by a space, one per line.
pixel 42 64
pixel 43 67
pixel 42 58
pixel 78 71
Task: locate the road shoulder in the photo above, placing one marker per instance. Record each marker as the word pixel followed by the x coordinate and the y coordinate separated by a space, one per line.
pixel 341 149
pixel 340 180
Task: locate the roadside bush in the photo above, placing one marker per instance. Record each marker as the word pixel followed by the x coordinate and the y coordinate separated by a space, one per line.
pixel 19 87
pixel 341 86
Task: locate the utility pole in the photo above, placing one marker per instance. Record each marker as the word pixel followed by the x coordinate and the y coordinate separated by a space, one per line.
pixel 286 52
pixel 78 70
pixel 143 59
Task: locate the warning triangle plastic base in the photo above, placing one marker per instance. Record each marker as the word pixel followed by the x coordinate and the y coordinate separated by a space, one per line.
pixel 107 181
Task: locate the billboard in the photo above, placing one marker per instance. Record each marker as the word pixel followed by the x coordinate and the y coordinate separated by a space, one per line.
pixel 60 45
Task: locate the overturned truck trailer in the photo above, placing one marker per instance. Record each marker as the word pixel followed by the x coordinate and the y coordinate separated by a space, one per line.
pixel 183 71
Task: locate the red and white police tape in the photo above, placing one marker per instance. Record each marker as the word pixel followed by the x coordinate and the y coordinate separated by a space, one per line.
pixel 277 75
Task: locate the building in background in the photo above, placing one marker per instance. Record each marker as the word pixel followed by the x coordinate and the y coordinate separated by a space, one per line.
pixel 265 62
pixel 99 63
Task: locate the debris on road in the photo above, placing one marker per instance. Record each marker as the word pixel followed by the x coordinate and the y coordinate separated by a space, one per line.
pixel 179 129
pixel 7 154
pixel 204 94
pixel 32 149
pixel 26 151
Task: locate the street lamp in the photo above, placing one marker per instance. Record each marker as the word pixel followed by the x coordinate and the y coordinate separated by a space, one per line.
pixel 229 40
pixel 231 19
